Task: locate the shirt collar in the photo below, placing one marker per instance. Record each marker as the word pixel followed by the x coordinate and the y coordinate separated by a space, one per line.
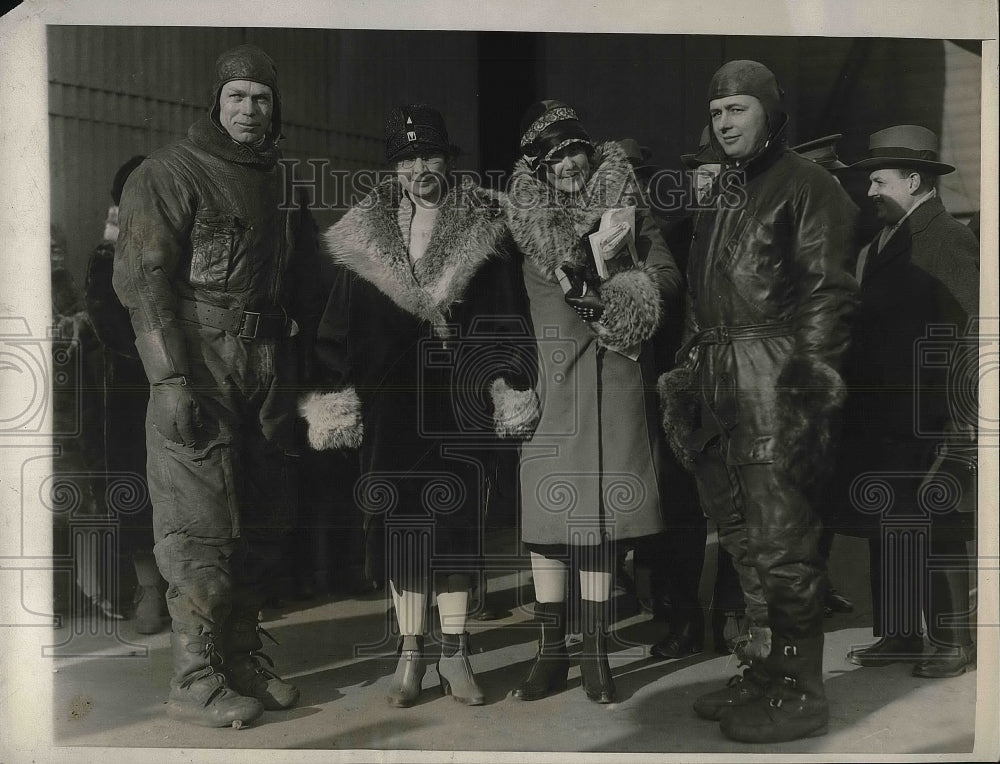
pixel 888 231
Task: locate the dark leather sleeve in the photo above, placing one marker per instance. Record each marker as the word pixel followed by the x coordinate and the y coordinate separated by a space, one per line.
pixel 826 291
pixel 155 219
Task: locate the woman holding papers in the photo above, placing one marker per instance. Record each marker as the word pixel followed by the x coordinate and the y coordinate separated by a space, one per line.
pixel 591 475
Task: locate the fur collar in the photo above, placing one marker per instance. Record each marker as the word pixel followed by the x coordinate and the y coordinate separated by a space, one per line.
pixel 467 232
pixel 548 225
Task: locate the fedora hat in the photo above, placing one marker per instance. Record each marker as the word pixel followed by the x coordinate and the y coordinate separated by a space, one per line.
pixel 704 155
pixel 909 146
pixel 822 151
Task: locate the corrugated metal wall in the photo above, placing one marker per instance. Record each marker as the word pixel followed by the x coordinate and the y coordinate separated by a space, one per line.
pixel 961 129
pixel 118 91
pixel 653 87
pixel 629 86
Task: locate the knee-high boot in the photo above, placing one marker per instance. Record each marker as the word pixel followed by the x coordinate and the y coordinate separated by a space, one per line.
pixel 199 694
pixel 740 690
pixel 244 662
pixel 548 672
pixel 794 704
pixel 594 669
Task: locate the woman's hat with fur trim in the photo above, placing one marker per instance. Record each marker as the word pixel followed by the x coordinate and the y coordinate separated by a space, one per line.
pixel 547 127
pixel 414 130
pixel 904 146
pixel 247 62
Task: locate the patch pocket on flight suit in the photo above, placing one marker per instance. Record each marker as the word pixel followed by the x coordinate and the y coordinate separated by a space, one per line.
pixel 213 242
pixel 751 263
pixel 204 488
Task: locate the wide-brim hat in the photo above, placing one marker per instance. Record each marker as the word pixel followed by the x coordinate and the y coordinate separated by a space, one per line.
pixel 904 146
pixel 822 151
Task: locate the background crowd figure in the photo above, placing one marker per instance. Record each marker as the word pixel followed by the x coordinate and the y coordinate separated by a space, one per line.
pixel 307 432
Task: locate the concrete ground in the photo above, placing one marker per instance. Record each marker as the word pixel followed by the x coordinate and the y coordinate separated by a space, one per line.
pixel 109 689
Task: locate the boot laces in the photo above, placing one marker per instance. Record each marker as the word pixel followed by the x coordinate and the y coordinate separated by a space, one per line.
pixel 736 679
pixel 215 657
pixel 255 657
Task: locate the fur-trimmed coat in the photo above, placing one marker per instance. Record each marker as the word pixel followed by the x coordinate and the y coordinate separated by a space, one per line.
pixel 773 254
pixel 420 361
pixel 594 464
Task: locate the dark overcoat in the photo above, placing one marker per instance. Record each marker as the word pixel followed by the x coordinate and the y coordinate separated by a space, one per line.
pixel 911 369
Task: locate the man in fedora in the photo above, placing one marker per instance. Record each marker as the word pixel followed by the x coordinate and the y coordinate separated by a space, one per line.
pixel 752 406
pixel 219 278
pixel 919 289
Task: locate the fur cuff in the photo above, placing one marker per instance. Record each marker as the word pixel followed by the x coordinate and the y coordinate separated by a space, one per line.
pixel 633 309
pixel 334 419
pixel 515 412
pixel 755 645
pixel 680 404
pixel 810 396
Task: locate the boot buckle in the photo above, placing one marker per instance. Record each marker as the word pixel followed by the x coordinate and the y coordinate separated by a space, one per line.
pixel 774 702
pixel 790 681
pixel 791 650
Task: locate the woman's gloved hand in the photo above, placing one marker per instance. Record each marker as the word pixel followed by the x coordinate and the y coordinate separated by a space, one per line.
pixel 582 294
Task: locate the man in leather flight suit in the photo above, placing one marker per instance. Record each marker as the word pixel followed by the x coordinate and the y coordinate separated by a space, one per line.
pixel 214 271
pixel 751 408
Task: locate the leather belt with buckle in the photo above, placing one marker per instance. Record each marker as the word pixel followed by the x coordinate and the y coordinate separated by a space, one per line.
pixel 245 324
pixel 723 335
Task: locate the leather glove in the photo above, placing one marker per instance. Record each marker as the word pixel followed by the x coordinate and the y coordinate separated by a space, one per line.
pixel 174 410
pixel 583 296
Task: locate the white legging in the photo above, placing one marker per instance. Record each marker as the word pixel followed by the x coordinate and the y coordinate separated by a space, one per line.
pixel 550 581
pixel 452 601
